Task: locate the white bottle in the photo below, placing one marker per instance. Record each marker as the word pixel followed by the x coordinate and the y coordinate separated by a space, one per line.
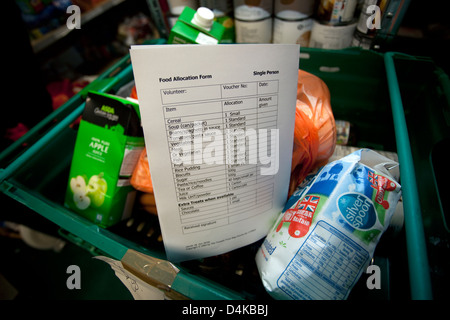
pixel 203 18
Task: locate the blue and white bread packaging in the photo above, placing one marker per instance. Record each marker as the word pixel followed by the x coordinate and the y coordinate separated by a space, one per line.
pixel 326 235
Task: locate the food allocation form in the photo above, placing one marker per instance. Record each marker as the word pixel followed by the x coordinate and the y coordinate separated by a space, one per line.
pixel 212 195
pixel 219 140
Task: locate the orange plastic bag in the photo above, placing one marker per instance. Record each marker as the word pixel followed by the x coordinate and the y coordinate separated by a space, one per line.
pixel 141 179
pixel 133 93
pixel 315 128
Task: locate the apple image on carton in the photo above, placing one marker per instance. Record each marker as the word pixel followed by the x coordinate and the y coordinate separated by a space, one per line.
pixel 96 189
pixel 80 198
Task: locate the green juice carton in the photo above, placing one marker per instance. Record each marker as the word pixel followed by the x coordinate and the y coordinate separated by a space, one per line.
pixel 229 32
pixel 107 148
pixel 196 27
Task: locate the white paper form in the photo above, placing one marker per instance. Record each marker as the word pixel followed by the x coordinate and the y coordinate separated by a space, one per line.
pixel 218 124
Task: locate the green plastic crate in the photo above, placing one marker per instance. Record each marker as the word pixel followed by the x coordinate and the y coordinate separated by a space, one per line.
pixel 364 90
pixel 420 97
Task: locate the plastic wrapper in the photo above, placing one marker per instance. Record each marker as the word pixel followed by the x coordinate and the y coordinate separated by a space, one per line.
pixel 141 179
pixel 133 93
pixel 315 128
pixel 327 233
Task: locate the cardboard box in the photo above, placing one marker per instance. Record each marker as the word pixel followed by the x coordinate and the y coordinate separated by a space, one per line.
pixel 188 28
pixel 109 142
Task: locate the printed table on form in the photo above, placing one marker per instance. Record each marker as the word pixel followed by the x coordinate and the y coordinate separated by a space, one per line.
pixel 228 191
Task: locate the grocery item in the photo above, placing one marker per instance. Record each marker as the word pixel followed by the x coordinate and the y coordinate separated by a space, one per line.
pixel 108 145
pixel 326 35
pixel 258 31
pixel 342 131
pixel 148 202
pixel 294 9
pixel 141 179
pixel 250 10
pixel 228 23
pixel 362 40
pixel 336 11
pixel 292 31
pixel 315 128
pixel 327 233
pixel 196 27
pixel 293 21
pixel 133 93
pixel 253 21
pixel 177 6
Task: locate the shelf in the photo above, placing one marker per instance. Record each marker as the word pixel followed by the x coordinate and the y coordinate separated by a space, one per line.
pixel 59 33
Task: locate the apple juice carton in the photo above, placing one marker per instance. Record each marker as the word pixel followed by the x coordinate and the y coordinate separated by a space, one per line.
pixel 109 142
pixel 196 27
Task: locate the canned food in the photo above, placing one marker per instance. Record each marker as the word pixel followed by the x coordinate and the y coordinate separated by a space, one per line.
pixel 252 10
pixel 292 31
pixel 294 9
pixel 336 11
pixel 362 40
pixel 329 36
pixel 176 7
pixel 259 31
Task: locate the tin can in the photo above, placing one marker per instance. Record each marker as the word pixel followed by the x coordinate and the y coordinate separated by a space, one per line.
pixel 294 9
pixel 329 36
pixel 176 7
pixel 292 31
pixel 336 11
pixel 362 40
pixel 370 17
pixel 259 31
pixel 253 21
pixel 253 10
